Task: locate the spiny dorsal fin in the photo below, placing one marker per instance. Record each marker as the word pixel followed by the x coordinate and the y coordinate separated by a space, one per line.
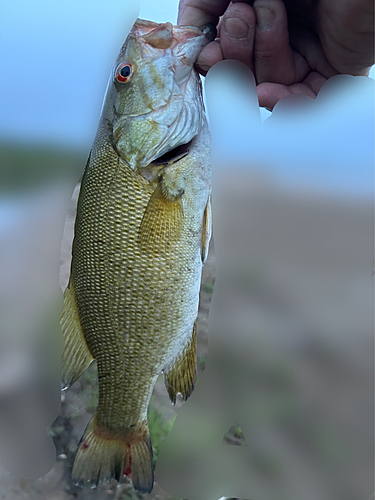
pixel 76 356
pixel 162 222
pixel 180 376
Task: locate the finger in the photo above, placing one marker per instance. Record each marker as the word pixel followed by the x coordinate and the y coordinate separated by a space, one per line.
pixel 270 93
pixel 237 33
pixel 307 44
pixel 346 30
pixel 200 12
pixel 210 55
pixel 273 56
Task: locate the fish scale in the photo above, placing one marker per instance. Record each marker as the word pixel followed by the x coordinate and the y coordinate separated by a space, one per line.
pixel 141 235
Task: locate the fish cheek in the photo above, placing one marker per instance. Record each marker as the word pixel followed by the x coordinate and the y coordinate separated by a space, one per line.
pixel 133 97
pixel 160 81
pixel 125 100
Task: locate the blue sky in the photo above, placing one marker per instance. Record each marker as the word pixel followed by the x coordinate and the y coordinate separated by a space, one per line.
pixel 56 58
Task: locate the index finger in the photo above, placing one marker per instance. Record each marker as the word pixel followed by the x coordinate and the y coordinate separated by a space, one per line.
pixel 200 12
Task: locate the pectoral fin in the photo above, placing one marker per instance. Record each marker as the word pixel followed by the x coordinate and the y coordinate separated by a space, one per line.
pixel 180 376
pixel 76 356
pixel 206 230
pixel 162 221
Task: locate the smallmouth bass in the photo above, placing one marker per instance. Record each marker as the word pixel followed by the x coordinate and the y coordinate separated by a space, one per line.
pixel 142 234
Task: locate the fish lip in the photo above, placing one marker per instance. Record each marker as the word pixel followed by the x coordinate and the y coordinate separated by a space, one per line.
pixel 209 30
pixel 142 28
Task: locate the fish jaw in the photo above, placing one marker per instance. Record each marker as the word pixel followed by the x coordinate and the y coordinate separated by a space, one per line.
pixel 161 107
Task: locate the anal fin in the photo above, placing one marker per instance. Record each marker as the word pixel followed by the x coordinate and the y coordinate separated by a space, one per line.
pixel 76 356
pixel 180 375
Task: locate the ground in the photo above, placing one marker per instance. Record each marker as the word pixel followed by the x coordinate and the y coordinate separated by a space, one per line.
pixel 302 269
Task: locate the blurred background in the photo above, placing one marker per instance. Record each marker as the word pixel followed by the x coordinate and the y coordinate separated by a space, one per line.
pixel 293 229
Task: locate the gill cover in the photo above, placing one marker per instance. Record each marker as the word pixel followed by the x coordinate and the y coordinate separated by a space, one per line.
pixel 160 107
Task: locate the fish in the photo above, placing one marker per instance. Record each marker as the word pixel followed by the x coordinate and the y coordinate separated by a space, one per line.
pixel 142 234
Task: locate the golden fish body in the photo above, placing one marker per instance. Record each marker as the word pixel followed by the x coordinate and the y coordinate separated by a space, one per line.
pixel 142 233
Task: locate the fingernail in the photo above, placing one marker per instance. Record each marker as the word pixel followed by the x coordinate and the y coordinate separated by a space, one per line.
pixel 265 17
pixel 235 28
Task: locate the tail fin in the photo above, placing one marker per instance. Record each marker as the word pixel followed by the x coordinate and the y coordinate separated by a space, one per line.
pixel 101 459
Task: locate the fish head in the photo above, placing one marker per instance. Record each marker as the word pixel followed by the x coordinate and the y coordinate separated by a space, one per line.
pixel 154 99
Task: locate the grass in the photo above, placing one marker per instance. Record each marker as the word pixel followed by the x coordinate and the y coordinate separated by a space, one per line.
pixel 159 428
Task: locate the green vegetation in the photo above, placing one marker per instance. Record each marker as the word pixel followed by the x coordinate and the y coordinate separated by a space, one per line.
pixel 202 360
pixel 159 428
pixel 235 436
pixel 25 166
pixel 128 493
pixel 90 388
pixel 55 430
pixel 208 285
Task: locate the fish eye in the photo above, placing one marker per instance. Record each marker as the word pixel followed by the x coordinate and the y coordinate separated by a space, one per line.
pixel 124 72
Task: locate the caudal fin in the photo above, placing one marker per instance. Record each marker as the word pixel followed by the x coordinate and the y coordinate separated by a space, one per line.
pixel 101 459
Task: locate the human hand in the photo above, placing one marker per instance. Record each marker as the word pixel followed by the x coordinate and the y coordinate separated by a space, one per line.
pixel 292 46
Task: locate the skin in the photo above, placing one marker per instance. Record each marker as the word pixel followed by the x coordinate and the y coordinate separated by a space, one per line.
pixel 292 46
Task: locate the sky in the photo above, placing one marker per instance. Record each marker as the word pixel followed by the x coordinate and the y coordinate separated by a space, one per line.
pixel 56 58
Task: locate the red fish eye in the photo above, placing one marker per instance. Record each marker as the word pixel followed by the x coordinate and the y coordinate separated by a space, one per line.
pixel 124 72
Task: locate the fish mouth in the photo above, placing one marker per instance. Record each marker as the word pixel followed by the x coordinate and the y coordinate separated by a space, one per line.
pixel 166 35
pixel 152 171
pixel 209 30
